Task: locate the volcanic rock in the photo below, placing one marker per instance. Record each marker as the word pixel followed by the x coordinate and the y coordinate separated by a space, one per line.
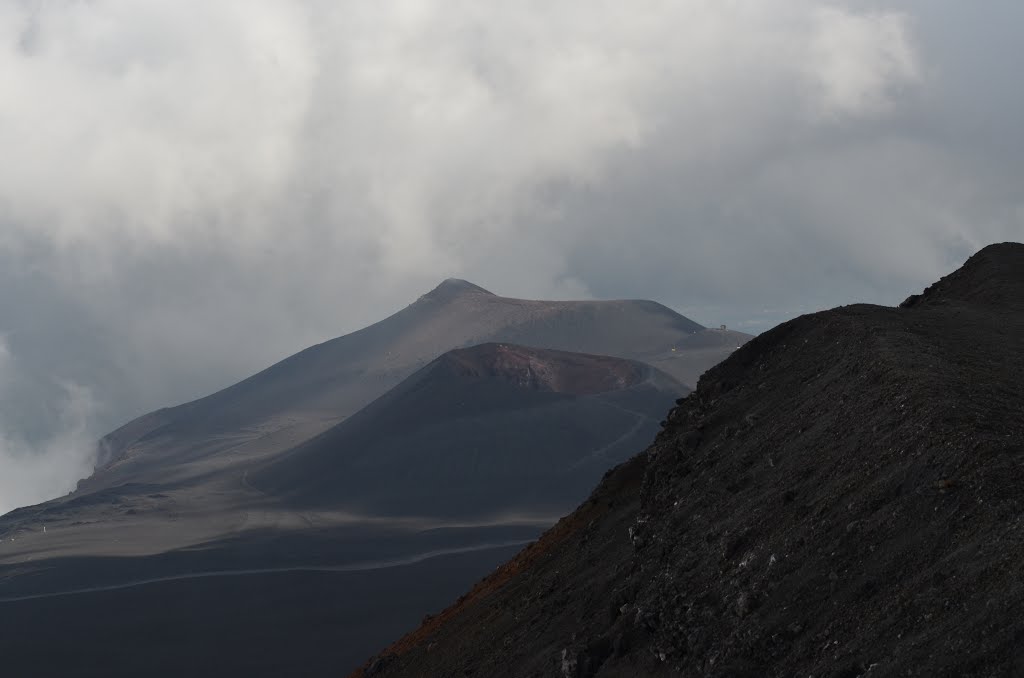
pixel 842 497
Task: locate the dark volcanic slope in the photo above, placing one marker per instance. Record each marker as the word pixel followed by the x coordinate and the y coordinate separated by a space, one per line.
pixel 307 393
pixel 479 432
pixel 174 553
pixel 842 497
pixel 181 476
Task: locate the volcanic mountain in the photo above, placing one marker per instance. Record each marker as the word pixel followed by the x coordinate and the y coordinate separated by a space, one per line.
pixel 198 460
pixel 283 511
pixel 488 430
pixel 841 497
pixel 311 391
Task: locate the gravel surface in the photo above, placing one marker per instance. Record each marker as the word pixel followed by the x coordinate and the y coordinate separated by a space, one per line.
pixel 842 497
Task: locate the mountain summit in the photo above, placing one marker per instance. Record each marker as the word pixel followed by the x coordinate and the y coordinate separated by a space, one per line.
pixel 992 277
pixel 841 497
pixel 454 287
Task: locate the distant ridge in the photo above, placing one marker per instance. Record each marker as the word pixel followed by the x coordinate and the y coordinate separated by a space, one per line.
pixel 314 389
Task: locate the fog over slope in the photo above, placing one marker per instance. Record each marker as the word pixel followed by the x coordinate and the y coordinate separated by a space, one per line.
pixel 188 193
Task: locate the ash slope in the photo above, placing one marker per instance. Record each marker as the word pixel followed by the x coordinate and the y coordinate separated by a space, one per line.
pixel 330 551
pixel 841 497
pixel 491 430
pixel 317 388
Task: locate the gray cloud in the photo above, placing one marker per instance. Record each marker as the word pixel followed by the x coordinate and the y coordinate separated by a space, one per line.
pixel 191 191
pixel 37 464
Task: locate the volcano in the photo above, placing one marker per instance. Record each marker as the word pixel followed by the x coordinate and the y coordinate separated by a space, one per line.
pixel 343 492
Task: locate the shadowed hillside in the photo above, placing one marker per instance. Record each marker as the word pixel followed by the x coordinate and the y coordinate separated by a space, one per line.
pixel 489 430
pixel 841 497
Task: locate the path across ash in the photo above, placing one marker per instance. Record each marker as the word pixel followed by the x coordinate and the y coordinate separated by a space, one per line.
pixel 351 567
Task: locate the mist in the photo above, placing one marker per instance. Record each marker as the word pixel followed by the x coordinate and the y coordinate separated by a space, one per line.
pixel 49 465
pixel 189 193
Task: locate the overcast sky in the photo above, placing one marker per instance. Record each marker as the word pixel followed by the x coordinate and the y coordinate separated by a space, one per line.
pixel 190 191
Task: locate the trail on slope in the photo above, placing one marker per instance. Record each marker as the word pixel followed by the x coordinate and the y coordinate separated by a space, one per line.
pixel 364 566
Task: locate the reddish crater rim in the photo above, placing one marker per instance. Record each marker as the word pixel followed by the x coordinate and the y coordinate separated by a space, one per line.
pixel 545 370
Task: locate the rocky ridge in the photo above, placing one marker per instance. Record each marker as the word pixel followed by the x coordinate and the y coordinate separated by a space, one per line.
pixel 842 497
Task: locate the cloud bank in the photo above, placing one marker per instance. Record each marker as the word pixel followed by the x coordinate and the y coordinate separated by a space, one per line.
pixel 189 192
pixel 49 465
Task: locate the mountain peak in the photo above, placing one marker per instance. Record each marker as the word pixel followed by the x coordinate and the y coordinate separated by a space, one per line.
pixel 454 287
pixel 994 276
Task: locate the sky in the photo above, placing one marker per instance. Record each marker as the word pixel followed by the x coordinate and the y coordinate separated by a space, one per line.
pixel 191 191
